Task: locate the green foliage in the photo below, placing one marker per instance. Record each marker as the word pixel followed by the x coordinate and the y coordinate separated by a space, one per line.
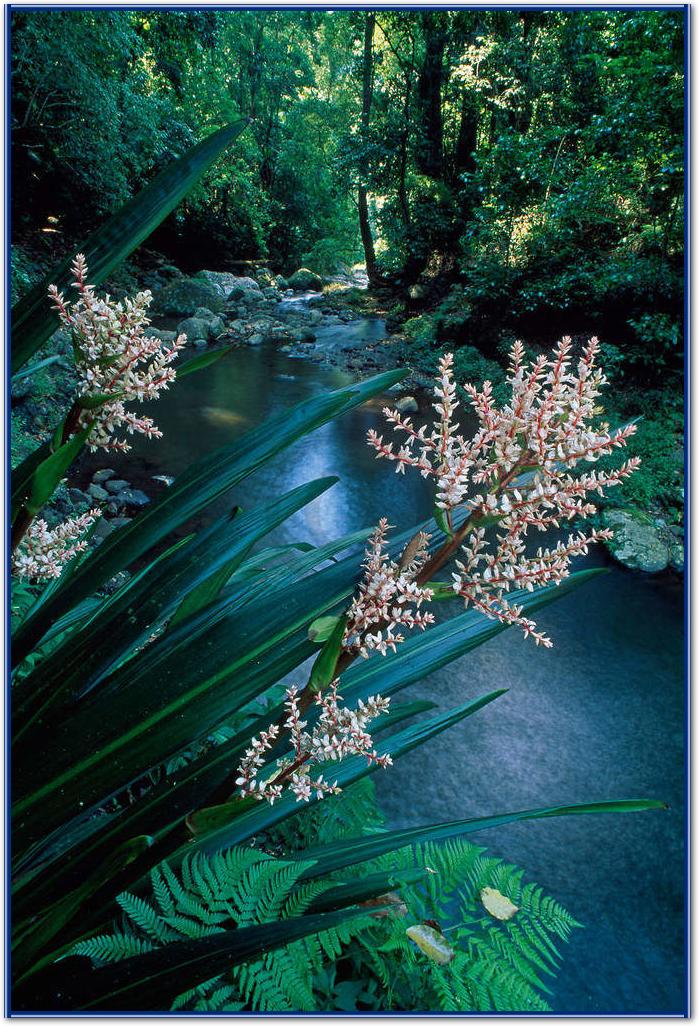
pixel 142 689
pixel 659 482
pixel 513 181
pixel 506 966
pixel 232 889
pixel 498 966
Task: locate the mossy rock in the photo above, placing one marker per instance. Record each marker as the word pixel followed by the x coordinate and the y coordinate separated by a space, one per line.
pixel 182 297
pixel 638 543
pixel 304 280
pixel 195 329
pixel 225 283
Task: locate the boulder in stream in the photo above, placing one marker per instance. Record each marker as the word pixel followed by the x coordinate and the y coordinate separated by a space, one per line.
pixel 196 330
pixel 305 280
pixel 225 283
pixel 639 543
pixel 182 297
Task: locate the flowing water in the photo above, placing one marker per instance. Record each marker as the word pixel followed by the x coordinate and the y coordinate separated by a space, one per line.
pixel 601 715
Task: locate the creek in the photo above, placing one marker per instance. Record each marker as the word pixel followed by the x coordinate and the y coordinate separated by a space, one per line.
pixel 601 715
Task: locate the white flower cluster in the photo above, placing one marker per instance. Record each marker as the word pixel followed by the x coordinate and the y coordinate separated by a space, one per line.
pixel 521 457
pixel 114 357
pixel 43 552
pixel 386 596
pixel 338 733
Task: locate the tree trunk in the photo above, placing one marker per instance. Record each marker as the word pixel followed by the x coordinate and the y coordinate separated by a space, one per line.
pixel 362 200
pixel 430 153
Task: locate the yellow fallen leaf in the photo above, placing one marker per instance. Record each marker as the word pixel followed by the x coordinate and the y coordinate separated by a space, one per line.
pixel 432 943
pixel 497 904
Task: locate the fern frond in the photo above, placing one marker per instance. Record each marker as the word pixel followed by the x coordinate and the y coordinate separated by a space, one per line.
pixel 111 947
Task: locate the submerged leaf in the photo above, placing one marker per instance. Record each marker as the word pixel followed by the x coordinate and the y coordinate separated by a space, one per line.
pixel 432 943
pixel 495 903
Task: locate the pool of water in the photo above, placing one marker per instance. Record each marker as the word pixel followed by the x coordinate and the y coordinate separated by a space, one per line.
pixel 599 716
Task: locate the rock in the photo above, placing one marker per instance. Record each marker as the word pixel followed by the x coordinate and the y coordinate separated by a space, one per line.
pixel 97 492
pixel 103 528
pixel 306 337
pixel 121 521
pixel 408 404
pixel 182 297
pixel 225 283
pixel 315 317
pixel 265 277
pixel 116 486
pixel 164 336
pixel 195 329
pixel 200 343
pixel 255 340
pixel 216 327
pixel 132 497
pixel 77 497
pixel 237 327
pixel 346 316
pixel 271 293
pixel 677 557
pixel 203 313
pixel 281 283
pixel 304 280
pixel 251 298
pixel 638 543
pixel 418 292
pixel 100 476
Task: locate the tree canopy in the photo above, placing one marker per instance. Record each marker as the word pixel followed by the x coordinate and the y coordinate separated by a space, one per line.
pixel 536 157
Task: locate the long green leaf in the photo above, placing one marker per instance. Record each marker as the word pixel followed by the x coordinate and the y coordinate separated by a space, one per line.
pixel 35 480
pixel 150 982
pixel 330 857
pixel 209 666
pixel 168 803
pixel 124 623
pixel 198 363
pixel 263 816
pixel 198 486
pixel 33 320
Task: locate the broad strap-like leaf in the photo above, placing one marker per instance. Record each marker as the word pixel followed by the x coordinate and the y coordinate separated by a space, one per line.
pixel 198 363
pixel 329 858
pixel 124 623
pixel 35 480
pixel 151 981
pixel 198 486
pixel 263 816
pixel 33 319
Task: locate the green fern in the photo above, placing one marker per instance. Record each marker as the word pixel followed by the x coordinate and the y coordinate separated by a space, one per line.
pixel 497 966
pixel 230 889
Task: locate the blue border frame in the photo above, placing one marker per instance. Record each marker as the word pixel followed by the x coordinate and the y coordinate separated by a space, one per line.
pixel 686 7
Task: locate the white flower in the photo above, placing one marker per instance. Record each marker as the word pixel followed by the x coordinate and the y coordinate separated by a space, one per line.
pixel 43 552
pixel 515 472
pixel 386 595
pixel 114 357
pixel 338 733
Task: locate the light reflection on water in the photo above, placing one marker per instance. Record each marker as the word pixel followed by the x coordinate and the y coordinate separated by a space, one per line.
pixel 599 716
